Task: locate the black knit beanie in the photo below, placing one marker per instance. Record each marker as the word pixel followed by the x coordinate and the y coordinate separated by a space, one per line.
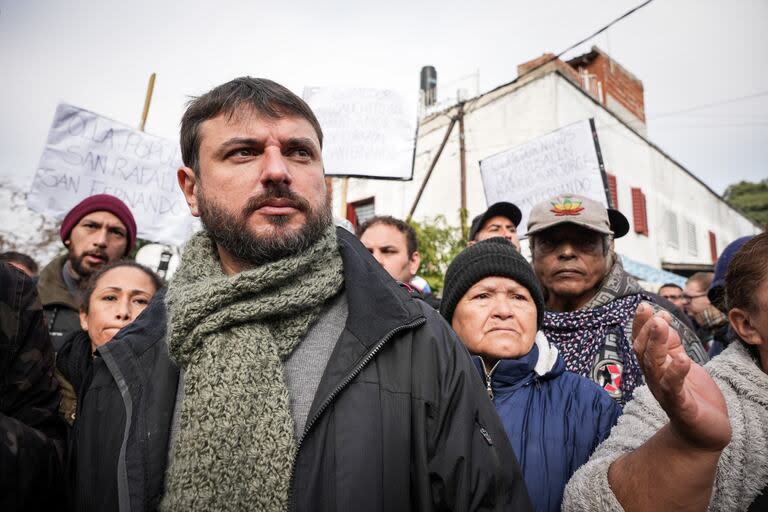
pixel 492 257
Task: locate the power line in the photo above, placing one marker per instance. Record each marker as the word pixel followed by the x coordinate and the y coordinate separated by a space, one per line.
pixel 555 57
pixel 710 105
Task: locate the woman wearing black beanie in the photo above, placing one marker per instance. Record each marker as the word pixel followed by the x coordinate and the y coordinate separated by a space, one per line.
pixel 553 418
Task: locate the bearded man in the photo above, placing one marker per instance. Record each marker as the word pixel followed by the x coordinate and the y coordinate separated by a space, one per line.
pixel 307 378
pixel 98 230
pixel 591 301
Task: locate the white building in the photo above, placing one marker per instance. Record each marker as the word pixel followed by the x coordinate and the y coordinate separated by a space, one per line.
pixel 677 222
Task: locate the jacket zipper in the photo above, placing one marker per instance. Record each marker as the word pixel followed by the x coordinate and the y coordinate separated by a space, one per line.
pixel 417 323
pixel 488 381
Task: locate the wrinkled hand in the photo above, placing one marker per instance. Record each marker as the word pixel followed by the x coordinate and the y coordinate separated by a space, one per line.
pixel 695 406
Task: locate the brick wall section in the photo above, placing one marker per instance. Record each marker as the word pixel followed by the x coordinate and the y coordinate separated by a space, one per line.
pixel 618 83
pixel 567 70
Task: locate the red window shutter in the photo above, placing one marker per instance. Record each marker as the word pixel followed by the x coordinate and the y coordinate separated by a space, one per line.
pixel 352 215
pixel 713 246
pixel 613 190
pixel 639 213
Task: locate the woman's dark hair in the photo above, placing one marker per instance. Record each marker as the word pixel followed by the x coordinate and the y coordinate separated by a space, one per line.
pixel 747 272
pixel 90 285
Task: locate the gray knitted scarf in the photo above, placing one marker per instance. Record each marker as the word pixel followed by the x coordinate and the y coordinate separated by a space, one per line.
pixel 231 334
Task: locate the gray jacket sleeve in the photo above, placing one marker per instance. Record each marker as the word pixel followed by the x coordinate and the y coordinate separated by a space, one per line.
pixel 588 489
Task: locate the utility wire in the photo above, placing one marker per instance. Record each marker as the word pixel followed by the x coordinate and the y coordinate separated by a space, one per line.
pixel 554 58
pixel 711 105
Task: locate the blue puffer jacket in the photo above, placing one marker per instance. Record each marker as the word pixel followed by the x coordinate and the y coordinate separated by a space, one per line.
pixel 554 418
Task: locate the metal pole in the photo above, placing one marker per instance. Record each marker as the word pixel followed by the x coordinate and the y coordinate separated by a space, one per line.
pixel 147 101
pixel 431 168
pixel 463 166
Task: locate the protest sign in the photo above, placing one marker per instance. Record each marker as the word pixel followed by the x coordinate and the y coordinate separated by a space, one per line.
pixel 367 132
pixel 88 154
pixel 567 160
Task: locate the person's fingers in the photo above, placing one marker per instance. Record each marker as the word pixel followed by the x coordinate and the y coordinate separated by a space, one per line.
pixel 642 314
pixel 675 397
pixel 665 316
pixel 656 347
pixel 674 375
pixel 641 333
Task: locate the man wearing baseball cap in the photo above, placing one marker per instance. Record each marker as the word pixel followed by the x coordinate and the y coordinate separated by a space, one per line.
pixel 501 219
pixel 98 230
pixel 591 300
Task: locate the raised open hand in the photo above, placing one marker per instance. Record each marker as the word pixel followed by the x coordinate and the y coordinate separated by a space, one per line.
pixel 695 406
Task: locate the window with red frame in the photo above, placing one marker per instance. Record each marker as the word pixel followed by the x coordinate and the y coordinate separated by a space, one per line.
pixel 639 212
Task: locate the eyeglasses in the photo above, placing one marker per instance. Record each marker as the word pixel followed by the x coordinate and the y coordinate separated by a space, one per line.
pixel 689 298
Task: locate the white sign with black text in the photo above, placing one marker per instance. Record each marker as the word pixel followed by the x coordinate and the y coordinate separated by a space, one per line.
pixel 366 132
pixel 564 161
pixel 87 154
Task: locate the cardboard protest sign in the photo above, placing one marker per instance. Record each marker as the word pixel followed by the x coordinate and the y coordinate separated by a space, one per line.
pixel 367 132
pixel 88 154
pixel 567 160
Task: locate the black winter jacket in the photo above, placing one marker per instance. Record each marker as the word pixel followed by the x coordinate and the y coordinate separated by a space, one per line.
pixel 399 421
pixel 31 432
pixel 61 312
pixel 125 400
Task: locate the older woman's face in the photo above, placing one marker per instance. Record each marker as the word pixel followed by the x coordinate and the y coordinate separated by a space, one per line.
pixel 118 298
pixel 496 319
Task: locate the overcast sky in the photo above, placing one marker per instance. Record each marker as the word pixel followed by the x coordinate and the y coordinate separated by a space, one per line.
pixel 98 54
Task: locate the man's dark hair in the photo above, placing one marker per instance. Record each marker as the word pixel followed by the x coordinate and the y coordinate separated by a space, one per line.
pixel 670 285
pixel 265 97
pixel 90 284
pixel 21 259
pixel 401 226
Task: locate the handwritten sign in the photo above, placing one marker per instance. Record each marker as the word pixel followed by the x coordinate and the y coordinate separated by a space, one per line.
pixel 88 154
pixel 565 161
pixel 367 132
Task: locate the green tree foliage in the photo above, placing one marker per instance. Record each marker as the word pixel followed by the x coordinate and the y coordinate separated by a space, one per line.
pixel 751 199
pixel 439 243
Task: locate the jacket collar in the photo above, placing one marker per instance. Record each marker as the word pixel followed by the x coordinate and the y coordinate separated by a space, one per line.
pixel 51 286
pixel 377 304
pixel 543 362
pixel 148 329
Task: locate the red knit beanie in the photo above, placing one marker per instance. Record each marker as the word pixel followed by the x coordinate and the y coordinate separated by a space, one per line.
pixel 100 203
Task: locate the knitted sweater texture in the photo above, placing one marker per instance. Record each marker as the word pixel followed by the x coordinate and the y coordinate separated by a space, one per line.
pixel 742 471
pixel 231 335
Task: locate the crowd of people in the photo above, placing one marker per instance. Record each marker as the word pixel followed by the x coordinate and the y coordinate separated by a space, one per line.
pixel 290 364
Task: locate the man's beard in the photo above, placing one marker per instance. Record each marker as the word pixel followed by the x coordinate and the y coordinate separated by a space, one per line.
pixel 76 262
pixel 231 231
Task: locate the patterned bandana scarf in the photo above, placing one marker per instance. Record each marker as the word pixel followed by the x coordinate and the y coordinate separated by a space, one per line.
pixel 231 334
pixel 580 334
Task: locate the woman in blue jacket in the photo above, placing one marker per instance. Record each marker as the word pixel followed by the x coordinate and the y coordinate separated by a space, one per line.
pixel 554 418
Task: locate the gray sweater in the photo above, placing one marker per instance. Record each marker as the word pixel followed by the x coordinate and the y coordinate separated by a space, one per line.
pixel 742 471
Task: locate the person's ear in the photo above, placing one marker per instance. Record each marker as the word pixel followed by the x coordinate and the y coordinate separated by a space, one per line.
pixel 83 320
pixel 470 243
pixel 67 242
pixel 414 263
pixel 188 184
pixel 742 323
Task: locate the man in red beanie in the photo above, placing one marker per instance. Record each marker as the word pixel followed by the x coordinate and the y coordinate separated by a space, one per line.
pixel 98 230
